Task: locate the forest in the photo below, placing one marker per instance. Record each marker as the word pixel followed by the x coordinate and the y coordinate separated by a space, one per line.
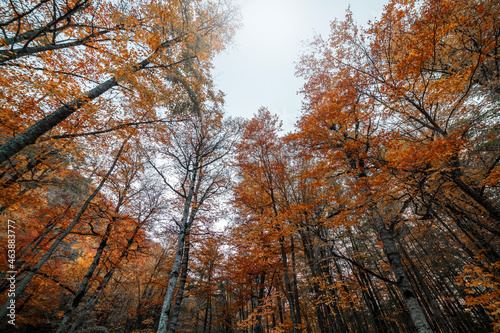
pixel 131 202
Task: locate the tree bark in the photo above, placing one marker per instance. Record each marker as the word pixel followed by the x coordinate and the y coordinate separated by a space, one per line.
pixel 174 320
pixel 288 287
pixel 295 284
pixel 402 281
pixel 30 135
pixel 187 218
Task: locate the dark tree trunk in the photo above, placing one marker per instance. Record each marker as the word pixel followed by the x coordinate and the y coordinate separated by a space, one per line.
pixel 85 281
pixel 29 136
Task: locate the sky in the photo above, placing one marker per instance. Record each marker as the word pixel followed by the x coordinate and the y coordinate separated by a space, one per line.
pixel 258 69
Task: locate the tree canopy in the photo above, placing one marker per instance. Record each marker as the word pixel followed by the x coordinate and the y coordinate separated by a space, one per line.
pixel 131 202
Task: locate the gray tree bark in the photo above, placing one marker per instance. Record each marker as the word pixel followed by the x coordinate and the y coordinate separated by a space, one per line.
pixel 174 321
pixel 30 135
pixel 402 281
pixel 174 273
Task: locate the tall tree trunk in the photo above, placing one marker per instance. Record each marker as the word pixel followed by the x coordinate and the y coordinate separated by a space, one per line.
pixel 82 289
pixel 430 297
pixel 295 284
pixel 94 298
pixel 288 287
pixel 209 305
pixel 174 320
pixel 286 277
pixel 187 218
pixel 322 311
pixel 402 281
pixel 262 279
pixel 28 250
pixel 30 135
pixel 280 309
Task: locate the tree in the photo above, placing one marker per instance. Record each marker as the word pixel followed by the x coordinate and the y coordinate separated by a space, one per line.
pixel 24 283
pixel 198 152
pixel 400 103
pixel 263 170
pixel 152 54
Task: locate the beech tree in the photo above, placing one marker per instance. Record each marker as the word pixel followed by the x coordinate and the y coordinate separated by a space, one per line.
pixel 392 104
pixel 149 54
pixel 262 165
pixel 197 151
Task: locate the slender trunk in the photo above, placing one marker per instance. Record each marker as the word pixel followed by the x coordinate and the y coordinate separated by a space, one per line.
pixel 366 290
pixel 286 278
pixel 430 298
pixel 174 273
pixel 295 284
pixel 30 248
pixel 172 282
pixel 373 309
pixel 288 287
pixel 24 283
pixel 85 281
pixel 403 282
pixel 205 320
pixel 280 309
pixel 92 301
pixel 259 327
pixel 322 311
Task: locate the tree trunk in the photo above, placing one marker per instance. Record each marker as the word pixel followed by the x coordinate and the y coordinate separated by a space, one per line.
pixel 29 136
pixel 322 311
pixel 295 284
pixel 187 218
pixel 92 301
pixel 288 287
pixel 174 320
pixel 85 282
pixel 262 279
pixel 403 283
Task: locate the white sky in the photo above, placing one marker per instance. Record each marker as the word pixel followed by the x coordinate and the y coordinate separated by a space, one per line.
pixel 259 69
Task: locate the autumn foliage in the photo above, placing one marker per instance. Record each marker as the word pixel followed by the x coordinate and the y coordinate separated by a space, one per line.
pixel 140 207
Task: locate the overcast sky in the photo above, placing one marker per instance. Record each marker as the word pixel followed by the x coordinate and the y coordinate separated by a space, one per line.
pixel 258 70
